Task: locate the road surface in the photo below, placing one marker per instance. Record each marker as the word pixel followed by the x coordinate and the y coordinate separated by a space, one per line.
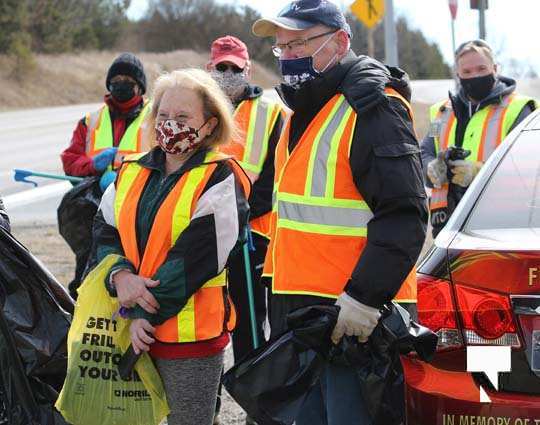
pixel 33 139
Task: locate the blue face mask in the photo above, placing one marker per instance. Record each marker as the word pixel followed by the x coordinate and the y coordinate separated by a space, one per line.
pixel 296 72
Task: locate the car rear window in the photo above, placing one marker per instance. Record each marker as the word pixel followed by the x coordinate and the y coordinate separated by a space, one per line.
pixel 511 199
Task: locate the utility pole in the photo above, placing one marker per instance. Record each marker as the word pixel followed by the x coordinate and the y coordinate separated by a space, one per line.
pixel 453 5
pixel 390 36
pixel 482 18
pixel 371 42
pixel 453 36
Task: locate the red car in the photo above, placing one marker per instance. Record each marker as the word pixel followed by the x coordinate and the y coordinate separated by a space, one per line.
pixel 480 285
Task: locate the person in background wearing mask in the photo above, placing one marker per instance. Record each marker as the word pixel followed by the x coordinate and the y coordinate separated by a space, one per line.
pixel 476 119
pixel 102 138
pixel 173 217
pixel 259 122
pixel 350 210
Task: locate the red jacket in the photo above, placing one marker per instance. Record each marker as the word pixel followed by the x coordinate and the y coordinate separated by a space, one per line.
pixel 74 158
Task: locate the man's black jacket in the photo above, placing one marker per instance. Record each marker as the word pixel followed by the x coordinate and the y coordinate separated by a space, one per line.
pixel 260 199
pixel 387 171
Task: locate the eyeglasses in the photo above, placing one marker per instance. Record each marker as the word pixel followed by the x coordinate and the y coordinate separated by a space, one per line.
pixel 222 67
pixel 478 43
pixel 295 44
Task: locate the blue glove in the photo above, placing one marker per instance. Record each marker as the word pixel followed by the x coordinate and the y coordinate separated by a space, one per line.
pixel 106 179
pixel 103 159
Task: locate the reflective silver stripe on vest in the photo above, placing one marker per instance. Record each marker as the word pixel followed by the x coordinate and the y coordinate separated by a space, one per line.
pixel 258 138
pixel 91 126
pixel 492 130
pixel 320 165
pixel 445 122
pixel 323 215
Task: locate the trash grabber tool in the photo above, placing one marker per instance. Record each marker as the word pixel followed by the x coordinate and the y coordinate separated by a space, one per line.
pixel 249 282
pixel 22 176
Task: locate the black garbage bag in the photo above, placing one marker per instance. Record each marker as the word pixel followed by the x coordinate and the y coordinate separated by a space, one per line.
pixel 272 383
pixel 35 316
pixel 75 219
pixel 377 363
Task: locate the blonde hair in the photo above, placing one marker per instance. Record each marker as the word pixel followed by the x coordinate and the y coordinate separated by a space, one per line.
pixel 478 46
pixel 215 104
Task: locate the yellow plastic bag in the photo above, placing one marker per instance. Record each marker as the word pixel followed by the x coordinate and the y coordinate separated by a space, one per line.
pixel 93 392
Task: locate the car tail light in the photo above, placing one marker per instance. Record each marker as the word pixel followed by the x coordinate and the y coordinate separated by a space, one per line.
pixel 487 317
pixel 436 310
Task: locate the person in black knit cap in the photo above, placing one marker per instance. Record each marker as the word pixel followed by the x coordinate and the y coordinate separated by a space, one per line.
pixel 102 138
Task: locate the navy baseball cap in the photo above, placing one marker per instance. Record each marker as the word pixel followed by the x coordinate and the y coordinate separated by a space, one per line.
pixel 300 15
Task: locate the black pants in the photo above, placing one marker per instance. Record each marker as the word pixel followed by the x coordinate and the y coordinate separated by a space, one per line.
pixel 242 336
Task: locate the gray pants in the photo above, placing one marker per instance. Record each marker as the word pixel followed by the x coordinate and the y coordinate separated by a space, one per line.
pixel 191 386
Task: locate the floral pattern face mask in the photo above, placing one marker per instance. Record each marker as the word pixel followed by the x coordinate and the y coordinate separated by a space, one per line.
pixel 177 138
pixel 232 83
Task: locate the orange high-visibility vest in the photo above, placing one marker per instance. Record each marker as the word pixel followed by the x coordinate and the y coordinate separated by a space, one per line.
pixel 485 131
pixel 99 134
pixel 209 312
pixel 255 120
pixel 319 219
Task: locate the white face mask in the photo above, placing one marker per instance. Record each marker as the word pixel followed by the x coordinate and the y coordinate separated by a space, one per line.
pixel 233 84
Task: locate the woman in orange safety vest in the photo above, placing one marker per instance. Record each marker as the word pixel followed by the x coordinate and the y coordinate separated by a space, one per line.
pixel 174 215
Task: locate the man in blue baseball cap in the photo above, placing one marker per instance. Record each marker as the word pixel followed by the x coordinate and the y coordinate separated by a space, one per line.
pixel 350 209
pixel 301 15
pixel 321 22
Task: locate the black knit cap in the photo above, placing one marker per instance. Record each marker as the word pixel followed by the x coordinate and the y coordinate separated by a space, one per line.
pixel 127 64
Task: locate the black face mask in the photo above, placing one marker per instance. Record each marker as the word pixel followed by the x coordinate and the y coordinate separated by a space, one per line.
pixel 123 91
pixel 478 88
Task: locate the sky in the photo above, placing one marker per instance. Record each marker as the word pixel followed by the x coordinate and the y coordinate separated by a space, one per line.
pixel 510 25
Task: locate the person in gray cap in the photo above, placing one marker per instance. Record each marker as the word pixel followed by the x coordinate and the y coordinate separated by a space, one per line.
pixel 350 208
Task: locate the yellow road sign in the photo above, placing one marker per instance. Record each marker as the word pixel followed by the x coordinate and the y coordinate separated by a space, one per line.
pixel 370 12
